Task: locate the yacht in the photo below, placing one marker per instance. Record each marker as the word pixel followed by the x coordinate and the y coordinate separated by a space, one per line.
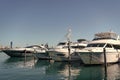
pixel 62 52
pixel 42 56
pixel 94 52
pixel 25 51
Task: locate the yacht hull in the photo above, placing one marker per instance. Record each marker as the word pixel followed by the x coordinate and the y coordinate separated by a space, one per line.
pixel 60 56
pixel 16 53
pixel 98 57
pixel 42 56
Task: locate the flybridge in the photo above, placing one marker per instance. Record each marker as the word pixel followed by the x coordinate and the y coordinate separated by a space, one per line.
pixel 106 35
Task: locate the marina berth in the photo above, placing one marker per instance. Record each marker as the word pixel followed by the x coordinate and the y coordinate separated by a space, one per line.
pixel 61 51
pixel 94 54
pixel 25 51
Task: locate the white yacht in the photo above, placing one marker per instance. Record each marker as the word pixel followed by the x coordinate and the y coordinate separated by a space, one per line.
pixel 42 56
pixel 93 53
pixel 25 51
pixel 61 51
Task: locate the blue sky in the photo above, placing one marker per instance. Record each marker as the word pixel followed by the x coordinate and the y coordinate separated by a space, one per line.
pixel 27 22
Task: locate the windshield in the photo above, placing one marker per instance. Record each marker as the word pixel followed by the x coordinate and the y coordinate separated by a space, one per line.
pixel 34 46
pixel 61 43
pixel 100 45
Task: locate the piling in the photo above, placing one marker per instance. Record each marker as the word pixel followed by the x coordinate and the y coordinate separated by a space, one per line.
pixel 25 56
pixel 34 57
pixel 69 67
pixel 105 62
pixel 69 51
pixel 11 44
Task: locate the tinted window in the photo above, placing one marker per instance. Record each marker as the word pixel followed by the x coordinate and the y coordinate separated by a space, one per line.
pixel 116 46
pixel 78 46
pixel 95 45
pixel 60 54
pixel 61 43
pixel 109 46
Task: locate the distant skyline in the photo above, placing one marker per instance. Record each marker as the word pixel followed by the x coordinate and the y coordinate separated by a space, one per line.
pixel 28 22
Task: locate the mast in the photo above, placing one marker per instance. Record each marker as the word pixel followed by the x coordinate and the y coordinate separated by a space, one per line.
pixel 68 40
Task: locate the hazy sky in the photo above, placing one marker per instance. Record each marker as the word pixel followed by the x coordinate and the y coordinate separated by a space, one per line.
pixel 27 22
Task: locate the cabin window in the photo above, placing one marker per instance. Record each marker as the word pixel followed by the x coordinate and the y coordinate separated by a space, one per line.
pixel 65 47
pixel 60 54
pixel 95 45
pixel 62 44
pixel 75 54
pixel 116 46
pixel 75 47
pixel 108 46
pixel 78 47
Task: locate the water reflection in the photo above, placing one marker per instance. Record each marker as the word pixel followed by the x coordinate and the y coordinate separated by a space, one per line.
pixel 20 62
pixel 42 63
pixel 98 72
pixel 113 72
pixel 76 71
pixel 45 70
pixel 91 73
pixel 63 70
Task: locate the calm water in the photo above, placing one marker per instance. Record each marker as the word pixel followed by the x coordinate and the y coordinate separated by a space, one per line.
pixel 30 69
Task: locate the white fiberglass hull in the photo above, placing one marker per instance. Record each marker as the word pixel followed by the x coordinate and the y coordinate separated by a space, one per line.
pixel 98 57
pixel 18 53
pixel 25 51
pixel 43 56
pixel 63 56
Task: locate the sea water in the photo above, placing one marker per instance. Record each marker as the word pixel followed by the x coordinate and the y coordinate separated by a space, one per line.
pixel 32 69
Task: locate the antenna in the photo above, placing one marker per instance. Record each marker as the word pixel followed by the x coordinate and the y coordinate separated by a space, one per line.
pixel 68 34
pixel 118 37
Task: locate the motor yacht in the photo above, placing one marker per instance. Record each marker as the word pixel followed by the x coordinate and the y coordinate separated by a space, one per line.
pixel 24 51
pixel 105 45
pixel 61 51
